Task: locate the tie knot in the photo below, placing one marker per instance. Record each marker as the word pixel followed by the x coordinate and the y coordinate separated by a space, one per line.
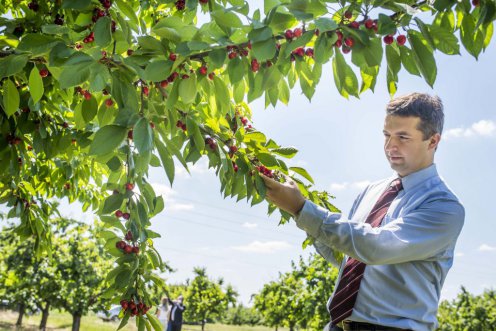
pixel 396 185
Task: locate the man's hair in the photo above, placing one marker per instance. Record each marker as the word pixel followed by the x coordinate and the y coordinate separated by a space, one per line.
pixel 428 108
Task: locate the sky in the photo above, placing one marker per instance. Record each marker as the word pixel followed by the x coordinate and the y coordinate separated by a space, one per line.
pixel 340 144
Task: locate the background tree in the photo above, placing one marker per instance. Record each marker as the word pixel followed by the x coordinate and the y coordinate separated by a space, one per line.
pixel 93 93
pixel 206 299
pixel 241 315
pixel 468 312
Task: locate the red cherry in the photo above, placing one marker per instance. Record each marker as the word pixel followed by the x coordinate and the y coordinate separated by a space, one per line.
pixel 146 91
pixel 152 125
pixel 164 83
pixel 87 95
pixel 369 24
pixel 172 57
pixel 128 249
pixel 476 3
pixel 211 76
pixel 297 32
pixel 338 43
pixel 299 51
pixel 354 25
pixel 233 149
pixel 255 65
pixel 129 186
pixel 401 39
pixel 203 2
pixel 203 70
pixel 126 216
pixel 388 40
pixel 136 249
pixel 185 76
pixel 289 34
pixel 340 35
pixel 119 213
pixel 348 14
pixel 44 73
pixel 232 55
pixel 244 120
pixel 130 52
pixel 309 52
pixel 349 42
pixel 124 304
pixel 130 134
pixel 109 102
pixel 345 49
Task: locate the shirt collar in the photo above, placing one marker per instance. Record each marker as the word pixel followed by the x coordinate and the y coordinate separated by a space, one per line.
pixel 415 178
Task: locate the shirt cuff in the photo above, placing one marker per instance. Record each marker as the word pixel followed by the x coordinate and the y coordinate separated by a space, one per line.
pixel 310 218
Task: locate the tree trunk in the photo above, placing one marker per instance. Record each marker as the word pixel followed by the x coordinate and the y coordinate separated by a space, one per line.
pixel 44 316
pixel 277 327
pixel 22 309
pixel 76 322
pixel 203 325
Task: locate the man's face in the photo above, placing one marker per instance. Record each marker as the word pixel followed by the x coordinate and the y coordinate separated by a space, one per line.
pixel 404 145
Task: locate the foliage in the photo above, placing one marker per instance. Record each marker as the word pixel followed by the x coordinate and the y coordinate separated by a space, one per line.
pixel 72 279
pixel 298 297
pixel 206 299
pixel 468 312
pixel 241 315
pixel 94 93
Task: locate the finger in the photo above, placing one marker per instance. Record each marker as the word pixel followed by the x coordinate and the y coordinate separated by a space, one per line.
pixel 269 182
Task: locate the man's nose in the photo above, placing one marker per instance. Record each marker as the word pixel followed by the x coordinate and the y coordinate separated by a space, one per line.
pixel 390 144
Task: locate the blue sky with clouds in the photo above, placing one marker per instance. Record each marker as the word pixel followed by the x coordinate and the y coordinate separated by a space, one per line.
pixel 340 144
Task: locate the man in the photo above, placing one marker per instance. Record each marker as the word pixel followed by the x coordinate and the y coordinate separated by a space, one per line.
pixel 176 314
pixel 400 234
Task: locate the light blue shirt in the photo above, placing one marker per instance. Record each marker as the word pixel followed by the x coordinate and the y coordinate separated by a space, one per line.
pixel 407 256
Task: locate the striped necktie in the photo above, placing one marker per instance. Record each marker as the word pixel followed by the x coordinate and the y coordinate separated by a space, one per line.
pixel 345 295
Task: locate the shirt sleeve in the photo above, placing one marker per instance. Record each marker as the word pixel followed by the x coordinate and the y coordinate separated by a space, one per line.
pixel 418 235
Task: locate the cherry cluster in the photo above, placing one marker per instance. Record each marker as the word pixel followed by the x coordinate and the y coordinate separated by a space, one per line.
pixel 263 170
pixel 181 125
pixel 211 143
pixel 181 4
pixel 125 247
pixel 234 51
pixel 13 140
pixel 133 308
pixel 85 93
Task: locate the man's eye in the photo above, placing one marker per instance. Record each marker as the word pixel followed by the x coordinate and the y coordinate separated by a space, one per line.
pixel 403 137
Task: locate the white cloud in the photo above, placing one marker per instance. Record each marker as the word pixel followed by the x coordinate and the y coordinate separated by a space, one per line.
pixel 249 225
pixel 486 248
pixel 345 186
pixel 459 254
pixel 263 247
pixel 170 203
pixel 484 128
pixel 199 167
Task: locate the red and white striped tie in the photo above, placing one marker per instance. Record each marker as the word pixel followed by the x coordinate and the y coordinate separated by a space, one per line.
pixel 345 295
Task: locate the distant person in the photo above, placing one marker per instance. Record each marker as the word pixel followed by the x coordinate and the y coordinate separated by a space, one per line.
pixel 400 234
pixel 163 312
pixel 176 314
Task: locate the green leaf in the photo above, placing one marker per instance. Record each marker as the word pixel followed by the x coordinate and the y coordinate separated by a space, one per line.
pixel 188 89
pixel 37 44
pixel 75 4
pixel 408 61
pixel 302 172
pixel 444 40
pixel 226 19
pixel 325 24
pixel 261 34
pixel 10 98
pixel 423 57
pixel 264 50
pixel 195 133
pixel 89 109
pixel 287 152
pixel 128 11
pixel 143 135
pixel 124 321
pixel 112 203
pixel 107 139
pixel 157 326
pixel 323 48
pixel 284 92
pixel 103 34
pixel 158 70
pixel 424 29
pixel 54 29
pixel 222 95
pixel 344 77
pixel 167 161
pixel 36 85
pixel 12 64
pixel 74 75
pixel 267 159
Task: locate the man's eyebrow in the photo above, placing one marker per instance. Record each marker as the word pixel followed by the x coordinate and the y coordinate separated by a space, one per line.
pixel 401 133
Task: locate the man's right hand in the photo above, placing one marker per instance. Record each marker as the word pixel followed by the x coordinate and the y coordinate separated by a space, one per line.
pixel 286 196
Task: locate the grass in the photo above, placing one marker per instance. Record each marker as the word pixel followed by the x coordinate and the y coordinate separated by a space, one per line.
pixel 61 321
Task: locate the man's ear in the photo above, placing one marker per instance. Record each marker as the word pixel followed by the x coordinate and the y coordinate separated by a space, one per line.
pixel 434 141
